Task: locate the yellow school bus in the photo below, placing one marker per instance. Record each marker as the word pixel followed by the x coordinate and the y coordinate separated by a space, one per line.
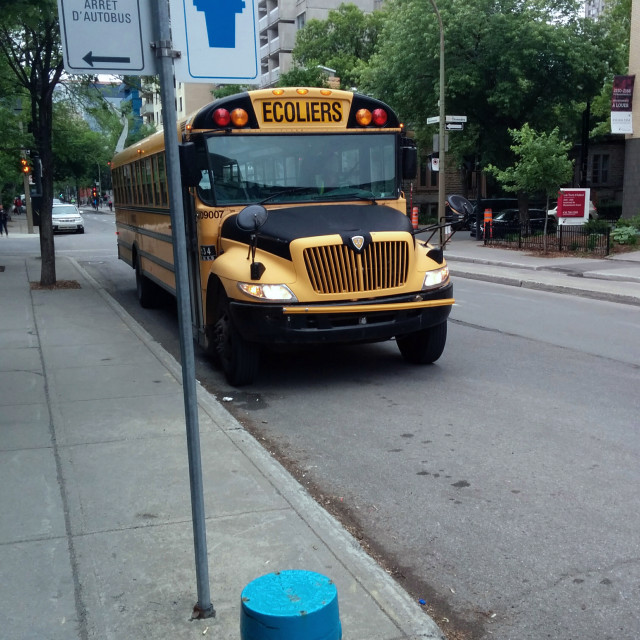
pixel 297 227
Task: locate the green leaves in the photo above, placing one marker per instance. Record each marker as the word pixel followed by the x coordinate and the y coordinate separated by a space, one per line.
pixel 542 163
pixel 507 63
pixel 344 42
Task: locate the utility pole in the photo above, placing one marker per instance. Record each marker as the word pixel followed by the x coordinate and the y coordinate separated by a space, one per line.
pixel 441 129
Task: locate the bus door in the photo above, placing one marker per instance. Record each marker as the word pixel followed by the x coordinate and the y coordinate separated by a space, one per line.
pixel 190 161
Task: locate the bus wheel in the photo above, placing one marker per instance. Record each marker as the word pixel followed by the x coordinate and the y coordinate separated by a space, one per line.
pixel 146 290
pixel 239 359
pixel 423 347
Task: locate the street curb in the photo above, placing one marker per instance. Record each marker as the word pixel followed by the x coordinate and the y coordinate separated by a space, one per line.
pixel 524 283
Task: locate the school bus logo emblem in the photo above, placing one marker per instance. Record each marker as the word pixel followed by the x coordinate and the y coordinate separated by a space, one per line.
pixel 358 242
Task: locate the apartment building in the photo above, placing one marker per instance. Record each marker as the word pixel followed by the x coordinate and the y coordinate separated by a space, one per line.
pixel 279 22
pixel 593 8
pixel 631 197
pixel 190 96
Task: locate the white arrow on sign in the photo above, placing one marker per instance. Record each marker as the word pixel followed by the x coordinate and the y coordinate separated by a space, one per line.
pixel 454 126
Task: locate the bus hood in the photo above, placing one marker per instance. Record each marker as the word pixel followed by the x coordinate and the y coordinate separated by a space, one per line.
pixel 346 220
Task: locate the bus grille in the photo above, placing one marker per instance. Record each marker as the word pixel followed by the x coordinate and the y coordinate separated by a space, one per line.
pixel 339 269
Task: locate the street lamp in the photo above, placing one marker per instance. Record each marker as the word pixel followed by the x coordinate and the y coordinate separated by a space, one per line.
pixel 441 146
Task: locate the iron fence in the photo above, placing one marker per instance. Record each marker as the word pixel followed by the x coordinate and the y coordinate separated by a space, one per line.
pixel 562 238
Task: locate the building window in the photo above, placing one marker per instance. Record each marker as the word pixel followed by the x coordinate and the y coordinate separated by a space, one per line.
pixel 301 20
pixel 600 169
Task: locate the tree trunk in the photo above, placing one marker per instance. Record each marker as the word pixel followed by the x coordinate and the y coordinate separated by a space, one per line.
pixel 47 247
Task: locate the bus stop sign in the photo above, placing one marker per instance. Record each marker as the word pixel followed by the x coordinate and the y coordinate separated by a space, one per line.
pixel 107 36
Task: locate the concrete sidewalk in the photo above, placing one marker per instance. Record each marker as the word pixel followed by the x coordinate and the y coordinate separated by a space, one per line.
pixel 96 534
pixel 615 278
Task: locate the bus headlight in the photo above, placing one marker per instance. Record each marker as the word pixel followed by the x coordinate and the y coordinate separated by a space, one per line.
pixel 271 292
pixel 435 278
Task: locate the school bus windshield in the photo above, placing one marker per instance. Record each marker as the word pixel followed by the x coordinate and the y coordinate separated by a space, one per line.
pixel 242 169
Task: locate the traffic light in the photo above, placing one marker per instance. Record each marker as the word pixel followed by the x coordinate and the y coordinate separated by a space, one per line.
pixel 24 166
pixel 94 193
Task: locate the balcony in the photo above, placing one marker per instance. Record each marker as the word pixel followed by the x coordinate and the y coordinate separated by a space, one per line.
pixel 273 16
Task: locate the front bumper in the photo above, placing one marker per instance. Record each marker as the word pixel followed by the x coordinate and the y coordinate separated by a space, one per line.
pixel 365 321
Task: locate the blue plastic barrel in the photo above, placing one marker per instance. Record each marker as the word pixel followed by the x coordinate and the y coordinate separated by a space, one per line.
pixel 290 605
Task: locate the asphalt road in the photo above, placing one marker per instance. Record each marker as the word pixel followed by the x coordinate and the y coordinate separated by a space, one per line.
pixel 499 485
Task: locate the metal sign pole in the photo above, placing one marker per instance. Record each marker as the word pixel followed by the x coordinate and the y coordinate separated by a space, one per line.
pixel 165 55
pixel 441 151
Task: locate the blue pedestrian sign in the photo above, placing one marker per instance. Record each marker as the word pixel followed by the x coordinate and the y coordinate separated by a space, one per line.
pixel 219 41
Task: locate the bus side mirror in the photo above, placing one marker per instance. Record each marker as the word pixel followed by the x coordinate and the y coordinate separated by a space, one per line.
pixel 252 218
pixel 409 162
pixel 189 172
pixel 461 209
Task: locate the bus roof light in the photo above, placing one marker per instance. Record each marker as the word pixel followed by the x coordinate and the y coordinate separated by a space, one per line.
pixel 379 117
pixel 239 117
pixel 363 117
pixel 222 117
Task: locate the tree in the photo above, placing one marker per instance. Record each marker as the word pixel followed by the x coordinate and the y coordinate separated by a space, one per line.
pixel 345 41
pixel 617 21
pixel 79 150
pixel 507 63
pixel 302 77
pixel 542 165
pixel 30 43
pixel 228 90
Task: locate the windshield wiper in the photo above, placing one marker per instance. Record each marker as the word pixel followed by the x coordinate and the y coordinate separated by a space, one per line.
pixel 286 192
pixel 338 194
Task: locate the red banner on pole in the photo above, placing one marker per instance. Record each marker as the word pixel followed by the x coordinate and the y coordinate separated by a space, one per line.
pixel 621 104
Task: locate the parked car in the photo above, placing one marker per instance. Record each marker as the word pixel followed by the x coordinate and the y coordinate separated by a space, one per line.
pixel 497 206
pixel 66 217
pixel 508 222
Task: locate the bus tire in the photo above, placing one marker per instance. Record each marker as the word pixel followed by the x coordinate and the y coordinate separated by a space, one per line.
pixel 146 290
pixel 238 358
pixel 425 346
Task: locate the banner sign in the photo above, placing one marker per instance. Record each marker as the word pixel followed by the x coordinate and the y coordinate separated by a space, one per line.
pixel 621 104
pixel 573 206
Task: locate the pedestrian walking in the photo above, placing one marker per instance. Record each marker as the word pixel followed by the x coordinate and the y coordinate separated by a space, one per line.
pixel 110 204
pixel 4 217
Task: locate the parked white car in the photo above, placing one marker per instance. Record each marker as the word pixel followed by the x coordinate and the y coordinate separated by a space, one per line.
pixel 66 217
